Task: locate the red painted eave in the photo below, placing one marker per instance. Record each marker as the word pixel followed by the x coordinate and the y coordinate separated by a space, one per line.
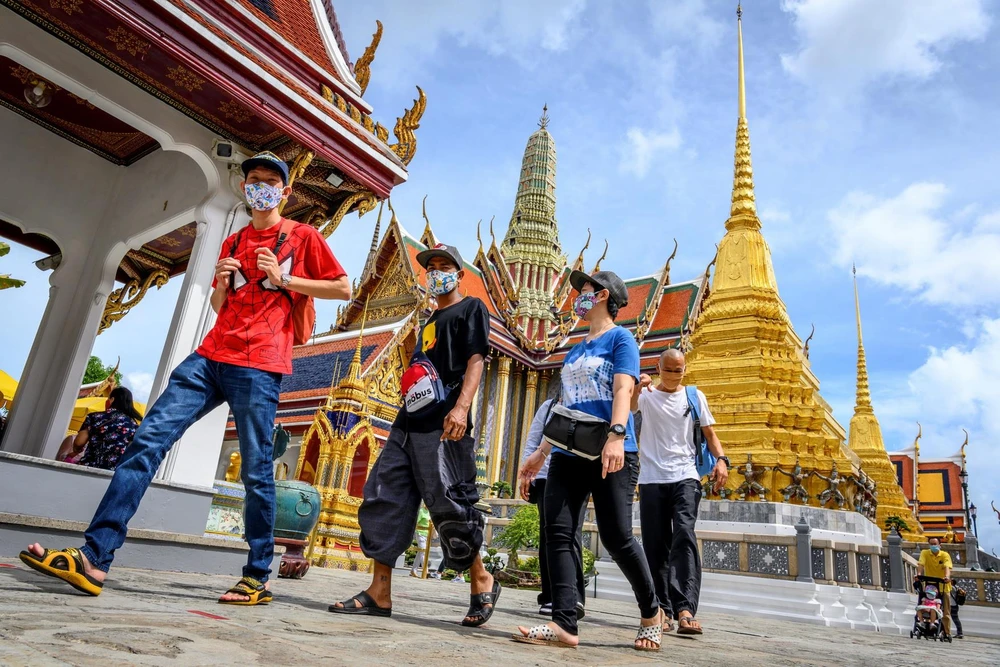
pixel 210 60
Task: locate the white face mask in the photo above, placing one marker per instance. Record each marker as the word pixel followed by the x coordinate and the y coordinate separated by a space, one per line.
pixel 263 196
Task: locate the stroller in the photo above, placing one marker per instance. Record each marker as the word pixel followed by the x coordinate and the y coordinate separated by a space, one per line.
pixel 929 619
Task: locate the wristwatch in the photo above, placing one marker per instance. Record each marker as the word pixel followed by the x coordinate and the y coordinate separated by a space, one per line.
pixel 618 429
pixel 286 279
pixel 726 459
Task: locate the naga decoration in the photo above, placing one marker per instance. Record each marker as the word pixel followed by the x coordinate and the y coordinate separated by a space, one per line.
pixel 833 492
pixel 404 131
pixel 299 166
pixel 796 489
pixel 363 67
pixel 365 201
pixel 751 485
pixel 597 267
pixel 128 296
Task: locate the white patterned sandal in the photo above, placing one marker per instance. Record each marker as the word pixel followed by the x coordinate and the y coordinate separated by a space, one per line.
pixel 542 635
pixel 652 633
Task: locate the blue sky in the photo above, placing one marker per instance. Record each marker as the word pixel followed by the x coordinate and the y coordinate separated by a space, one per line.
pixel 873 131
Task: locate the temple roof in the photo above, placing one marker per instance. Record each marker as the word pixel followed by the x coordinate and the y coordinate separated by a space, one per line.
pixel 940 484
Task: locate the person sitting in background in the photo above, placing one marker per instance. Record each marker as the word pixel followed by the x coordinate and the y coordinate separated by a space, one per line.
pixel 106 434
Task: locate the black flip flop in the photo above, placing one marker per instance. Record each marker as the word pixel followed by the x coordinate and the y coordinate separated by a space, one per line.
pixel 478 608
pixel 368 606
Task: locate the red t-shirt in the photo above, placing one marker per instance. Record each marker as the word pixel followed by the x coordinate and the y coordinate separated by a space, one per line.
pixel 254 328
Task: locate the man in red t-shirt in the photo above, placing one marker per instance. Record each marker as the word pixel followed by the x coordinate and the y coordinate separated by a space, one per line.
pixel 261 276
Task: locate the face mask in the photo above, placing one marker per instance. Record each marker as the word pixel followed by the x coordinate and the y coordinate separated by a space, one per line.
pixel 441 282
pixel 263 196
pixel 584 303
pixel 935 549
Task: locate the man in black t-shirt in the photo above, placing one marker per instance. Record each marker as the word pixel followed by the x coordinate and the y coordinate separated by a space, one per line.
pixel 431 456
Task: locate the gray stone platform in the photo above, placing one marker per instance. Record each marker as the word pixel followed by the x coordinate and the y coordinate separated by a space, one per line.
pixel 766 518
pixel 156 618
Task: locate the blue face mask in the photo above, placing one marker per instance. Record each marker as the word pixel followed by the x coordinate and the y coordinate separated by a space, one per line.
pixel 935 548
pixel 441 282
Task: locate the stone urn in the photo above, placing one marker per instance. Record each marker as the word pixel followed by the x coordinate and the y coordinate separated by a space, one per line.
pixel 297 506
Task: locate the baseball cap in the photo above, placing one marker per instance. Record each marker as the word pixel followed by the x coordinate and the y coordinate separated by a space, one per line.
pixel 449 252
pixel 267 161
pixel 608 280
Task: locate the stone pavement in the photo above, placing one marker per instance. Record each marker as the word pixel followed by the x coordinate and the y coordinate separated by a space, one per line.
pixel 165 618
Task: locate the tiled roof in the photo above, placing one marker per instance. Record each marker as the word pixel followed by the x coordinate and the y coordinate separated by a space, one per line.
pixel 675 306
pixel 294 21
pixel 313 365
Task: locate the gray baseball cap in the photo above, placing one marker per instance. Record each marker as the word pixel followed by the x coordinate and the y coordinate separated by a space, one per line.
pixel 608 280
pixel 449 252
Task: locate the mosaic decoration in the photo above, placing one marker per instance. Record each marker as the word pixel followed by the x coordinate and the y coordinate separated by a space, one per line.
pixel 841 571
pixel 819 563
pixel 721 555
pixel 865 570
pixel 886 572
pixel 769 558
pixel 970 588
pixel 992 587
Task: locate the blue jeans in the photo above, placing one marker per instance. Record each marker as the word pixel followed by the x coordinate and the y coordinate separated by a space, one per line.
pixel 196 387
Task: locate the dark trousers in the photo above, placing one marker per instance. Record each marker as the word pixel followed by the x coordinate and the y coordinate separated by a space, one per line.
pixel 571 479
pixel 545 597
pixel 667 513
pixel 954 619
pixel 415 466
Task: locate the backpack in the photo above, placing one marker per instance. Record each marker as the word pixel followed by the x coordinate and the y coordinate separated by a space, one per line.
pixel 704 459
pixel 304 308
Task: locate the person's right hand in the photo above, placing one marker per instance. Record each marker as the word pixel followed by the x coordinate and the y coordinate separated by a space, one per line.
pixel 645 381
pixel 529 470
pixel 224 271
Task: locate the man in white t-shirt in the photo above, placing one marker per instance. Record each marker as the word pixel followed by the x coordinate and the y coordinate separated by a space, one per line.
pixel 670 488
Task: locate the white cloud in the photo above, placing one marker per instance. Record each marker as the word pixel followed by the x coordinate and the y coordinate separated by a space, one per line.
pixel 906 242
pixel 141 384
pixel 518 29
pixel 642 148
pixel 955 388
pixel 846 44
pixel 686 19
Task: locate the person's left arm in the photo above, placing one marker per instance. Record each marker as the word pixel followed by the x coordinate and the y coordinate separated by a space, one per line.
pixel 326 277
pixel 456 423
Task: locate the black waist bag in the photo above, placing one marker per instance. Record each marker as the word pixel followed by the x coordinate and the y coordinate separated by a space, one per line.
pixel 576 432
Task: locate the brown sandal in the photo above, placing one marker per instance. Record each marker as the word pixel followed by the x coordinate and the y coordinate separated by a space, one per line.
pixel 688 626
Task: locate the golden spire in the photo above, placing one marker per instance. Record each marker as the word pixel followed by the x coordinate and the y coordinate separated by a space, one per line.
pixel 351 388
pixel 916 472
pixel 370 262
pixel 743 212
pixel 863 403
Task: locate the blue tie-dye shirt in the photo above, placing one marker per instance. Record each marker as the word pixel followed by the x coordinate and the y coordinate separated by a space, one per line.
pixel 588 376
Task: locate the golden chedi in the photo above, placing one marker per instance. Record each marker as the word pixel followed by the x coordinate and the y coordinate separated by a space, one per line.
pixel 747 359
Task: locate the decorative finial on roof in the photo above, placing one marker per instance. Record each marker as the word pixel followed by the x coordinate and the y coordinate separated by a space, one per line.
pixel 864 397
pixel 543 122
pixel 492 236
pixel 666 269
pixel 362 68
pixel 479 235
pixel 964 445
pixel 393 220
pixel 427 238
pixel 597 267
pixel 370 262
pixel 805 347
pixel 739 11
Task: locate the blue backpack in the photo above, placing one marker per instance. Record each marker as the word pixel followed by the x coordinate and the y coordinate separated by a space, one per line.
pixel 704 459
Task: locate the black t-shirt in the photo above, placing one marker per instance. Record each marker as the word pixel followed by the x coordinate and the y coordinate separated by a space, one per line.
pixel 451 337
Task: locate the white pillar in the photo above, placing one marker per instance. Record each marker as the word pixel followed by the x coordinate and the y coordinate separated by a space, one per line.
pixel 194 458
pixel 51 378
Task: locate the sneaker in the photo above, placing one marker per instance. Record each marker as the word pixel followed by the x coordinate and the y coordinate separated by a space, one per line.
pixel 959 637
pixel 545 609
pixel 434 575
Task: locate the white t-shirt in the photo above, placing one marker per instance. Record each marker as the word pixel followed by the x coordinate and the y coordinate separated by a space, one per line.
pixel 666 445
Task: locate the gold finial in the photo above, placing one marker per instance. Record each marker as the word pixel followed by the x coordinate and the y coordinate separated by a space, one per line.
pixel 743 204
pixel 863 402
pixel 964 445
pixel 427 238
pixel 370 262
pixel 392 220
pixel 739 11
pixel 742 84
pixel 362 68
pixel 543 122
pixel 666 269
pixel 597 267
pixel 494 238
pixel 479 235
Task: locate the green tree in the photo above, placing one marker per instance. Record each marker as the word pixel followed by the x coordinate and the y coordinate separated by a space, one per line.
pixel 98 372
pixel 521 533
pixel 500 488
pixel 897 522
pixel 5 280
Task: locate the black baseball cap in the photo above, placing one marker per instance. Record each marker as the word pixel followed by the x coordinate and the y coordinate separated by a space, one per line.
pixel 267 161
pixel 608 280
pixel 449 252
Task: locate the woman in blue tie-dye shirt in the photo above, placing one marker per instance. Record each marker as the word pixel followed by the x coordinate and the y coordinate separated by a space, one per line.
pixel 598 378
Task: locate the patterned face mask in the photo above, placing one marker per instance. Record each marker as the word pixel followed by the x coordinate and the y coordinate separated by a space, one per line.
pixel 441 282
pixel 263 196
pixel 584 303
